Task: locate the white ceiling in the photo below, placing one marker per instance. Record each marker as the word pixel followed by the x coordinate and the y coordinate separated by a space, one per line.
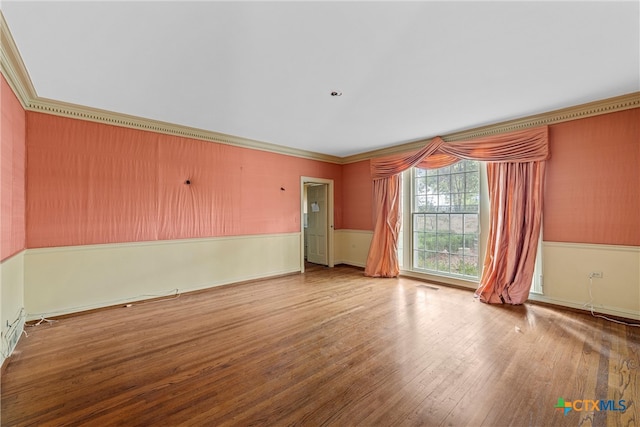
pixel 265 70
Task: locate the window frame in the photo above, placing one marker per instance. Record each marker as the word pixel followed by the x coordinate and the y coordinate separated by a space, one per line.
pixel 406 234
pixel 438 213
pixel 406 241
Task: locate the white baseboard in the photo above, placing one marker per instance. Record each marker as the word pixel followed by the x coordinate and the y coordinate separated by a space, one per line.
pixel 628 314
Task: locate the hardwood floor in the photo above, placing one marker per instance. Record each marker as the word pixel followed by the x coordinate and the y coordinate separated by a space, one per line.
pixel 328 347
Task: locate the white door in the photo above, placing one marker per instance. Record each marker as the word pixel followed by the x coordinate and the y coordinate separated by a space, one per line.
pixel 317 224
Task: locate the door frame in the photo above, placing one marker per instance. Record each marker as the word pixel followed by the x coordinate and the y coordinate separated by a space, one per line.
pixel 330 228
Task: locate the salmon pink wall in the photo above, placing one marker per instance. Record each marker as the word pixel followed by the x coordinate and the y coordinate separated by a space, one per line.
pixel 91 183
pixel 593 177
pixel 357 190
pixel 95 183
pixel 592 181
pixel 12 172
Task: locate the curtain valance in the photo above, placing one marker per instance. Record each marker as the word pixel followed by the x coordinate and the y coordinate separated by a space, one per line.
pixel 516 178
pixel 514 147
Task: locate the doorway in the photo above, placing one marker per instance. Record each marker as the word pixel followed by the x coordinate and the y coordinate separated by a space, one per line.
pixel 316 225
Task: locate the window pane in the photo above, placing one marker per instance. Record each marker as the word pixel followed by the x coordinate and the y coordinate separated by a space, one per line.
pixel 456 223
pixel 420 186
pixel 432 203
pixel 442 242
pixel 457 202
pixel 470 244
pixel 469 266
pixel 432 184
pixel 472 202
pixel 418 240
pixel 430 222
pixel 429 241
pixel 472 180
pixel 458 183
pixel 443 262
pixel 444 184
pixel 444 170
pixel 431 261
pixel 418 259
pixel 471 166
pixel 445 224
pixel 420 204
pixel 470 223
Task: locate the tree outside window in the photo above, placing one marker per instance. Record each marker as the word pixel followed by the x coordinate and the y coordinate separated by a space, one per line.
pixel 445 228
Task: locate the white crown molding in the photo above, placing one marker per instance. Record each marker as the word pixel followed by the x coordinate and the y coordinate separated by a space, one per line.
pixel 15 72
pixel 605 106
pixel 65 109
pixel 12 67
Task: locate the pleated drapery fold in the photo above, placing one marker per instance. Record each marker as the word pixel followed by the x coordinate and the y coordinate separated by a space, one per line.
pixel 515 193
pixel 382 260
pixel 516 180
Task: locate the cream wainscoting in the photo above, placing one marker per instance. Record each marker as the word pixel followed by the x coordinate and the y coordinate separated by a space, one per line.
pixel 11 301
pixel 352 246
pixel 566 269
pixel 65 280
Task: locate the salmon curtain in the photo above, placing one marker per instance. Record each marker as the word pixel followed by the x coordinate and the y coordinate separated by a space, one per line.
pixel 515 193
pixel 512 237
pixel 382 260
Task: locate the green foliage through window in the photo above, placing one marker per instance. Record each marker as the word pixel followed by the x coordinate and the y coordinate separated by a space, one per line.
pixel 446 204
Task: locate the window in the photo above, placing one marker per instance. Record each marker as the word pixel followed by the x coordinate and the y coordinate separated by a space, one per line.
pixel 445 219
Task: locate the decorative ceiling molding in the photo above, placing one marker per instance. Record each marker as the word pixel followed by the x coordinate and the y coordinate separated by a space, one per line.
pixel 64 109
pixel 609 105
pixel 15 72
pixel 12 66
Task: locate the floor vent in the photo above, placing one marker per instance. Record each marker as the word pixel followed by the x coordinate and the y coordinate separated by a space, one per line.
pixel 433 288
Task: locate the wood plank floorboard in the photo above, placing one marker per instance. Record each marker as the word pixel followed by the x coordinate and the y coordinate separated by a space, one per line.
pixel 327 347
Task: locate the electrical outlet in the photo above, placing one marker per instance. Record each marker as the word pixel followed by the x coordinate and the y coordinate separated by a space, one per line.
pixel 596 275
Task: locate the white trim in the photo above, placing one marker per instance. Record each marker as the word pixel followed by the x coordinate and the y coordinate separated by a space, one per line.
pixel 10 257
pixel 15 72
pixel 330 218
pixel 13 67
pixel 104 246
pixel 407 269
pixel 582 306
pixel 604 106
pixel 592 246
pixel 59 108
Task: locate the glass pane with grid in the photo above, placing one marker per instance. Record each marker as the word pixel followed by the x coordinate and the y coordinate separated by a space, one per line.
pixel 446 203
